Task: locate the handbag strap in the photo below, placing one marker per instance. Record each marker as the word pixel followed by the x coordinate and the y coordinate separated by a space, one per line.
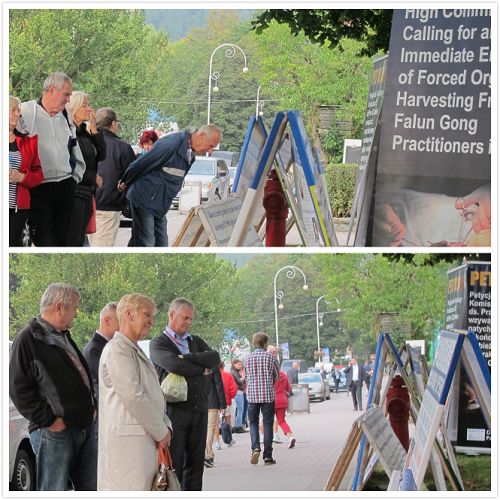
pixel 168 458
pixel 162 459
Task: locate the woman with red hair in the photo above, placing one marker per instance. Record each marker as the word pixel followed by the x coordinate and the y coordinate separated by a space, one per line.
pixel 147 139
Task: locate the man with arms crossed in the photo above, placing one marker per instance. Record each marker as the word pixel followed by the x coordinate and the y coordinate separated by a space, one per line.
pixel 178 351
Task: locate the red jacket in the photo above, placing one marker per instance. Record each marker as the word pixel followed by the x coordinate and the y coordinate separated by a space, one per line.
pixel 282 388
pixel 230 387
pixel 30 165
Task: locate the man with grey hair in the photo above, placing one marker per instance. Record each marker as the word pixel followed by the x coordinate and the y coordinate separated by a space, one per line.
pixel 61 158
pixel 108 325
pixel 109 200
pixel 51 386
pixel 178 351
pixel 153 180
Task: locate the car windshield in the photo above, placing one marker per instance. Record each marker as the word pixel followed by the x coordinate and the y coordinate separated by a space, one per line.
pixel 203 167
pixel 307 378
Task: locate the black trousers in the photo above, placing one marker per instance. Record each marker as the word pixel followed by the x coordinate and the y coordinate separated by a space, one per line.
pixel 80 215
pixel 17 220
pixel 51 205
pixel 355 389
pixel 187 447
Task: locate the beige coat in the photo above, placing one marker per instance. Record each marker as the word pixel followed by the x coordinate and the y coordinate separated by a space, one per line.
pixel 131 417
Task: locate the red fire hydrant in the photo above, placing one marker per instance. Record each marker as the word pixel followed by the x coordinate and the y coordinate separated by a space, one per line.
pixel 276 208
pixel 398 408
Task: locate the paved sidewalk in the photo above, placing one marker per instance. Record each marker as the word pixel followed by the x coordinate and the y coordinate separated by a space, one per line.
pixel 321 436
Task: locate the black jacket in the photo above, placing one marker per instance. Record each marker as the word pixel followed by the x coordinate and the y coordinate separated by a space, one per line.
pixel 92 354
pixel 216 395
pixel 164 355
pixel 119 155
pixel 44 383
pixel 237 378
pixel 348 374
pixel 93 150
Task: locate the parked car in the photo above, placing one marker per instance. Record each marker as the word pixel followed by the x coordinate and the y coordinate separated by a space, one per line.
pixel 214 176
pixel 22 462
pixel 286 364
pixel 232 159
pixel 318 388
pixel 342 384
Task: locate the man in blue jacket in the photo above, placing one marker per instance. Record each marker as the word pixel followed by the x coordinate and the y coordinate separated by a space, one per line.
pixel 153 180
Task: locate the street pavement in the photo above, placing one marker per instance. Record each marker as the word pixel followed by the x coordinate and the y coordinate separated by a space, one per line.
pixel 321 436
pixel 175 219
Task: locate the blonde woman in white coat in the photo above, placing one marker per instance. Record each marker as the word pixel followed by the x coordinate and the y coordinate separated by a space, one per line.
pixel 132 417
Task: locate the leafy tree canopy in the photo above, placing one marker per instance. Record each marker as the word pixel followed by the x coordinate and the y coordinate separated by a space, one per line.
pixel 329 26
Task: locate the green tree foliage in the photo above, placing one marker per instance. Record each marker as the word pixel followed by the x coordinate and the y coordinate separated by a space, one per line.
pixel 341 183
pixel 330 26
pixel 202 278
pixel 370 285
pixel 122 62
pixel 110 54
pixel 310 75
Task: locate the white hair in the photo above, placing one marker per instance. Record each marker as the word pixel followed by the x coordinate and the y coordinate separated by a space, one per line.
pixel 76 102
pixel 58 292
pixel 56 80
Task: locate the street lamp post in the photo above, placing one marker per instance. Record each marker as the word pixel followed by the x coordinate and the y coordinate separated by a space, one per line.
pixel 290 274
pixel 230 52
pixel 319 322
pixel 259 105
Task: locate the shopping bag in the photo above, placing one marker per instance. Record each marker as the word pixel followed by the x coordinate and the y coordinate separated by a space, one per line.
pixel 165 478
pixel 225 431
pixel 175 388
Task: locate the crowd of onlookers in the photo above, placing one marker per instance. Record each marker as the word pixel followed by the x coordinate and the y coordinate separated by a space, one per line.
pixel 71 175
pixel 98 417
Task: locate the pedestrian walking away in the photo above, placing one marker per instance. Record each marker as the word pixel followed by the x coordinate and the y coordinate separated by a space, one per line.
pixel 283 390
pixel 262 371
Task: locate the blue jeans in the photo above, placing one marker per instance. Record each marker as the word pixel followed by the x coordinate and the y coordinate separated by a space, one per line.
pixel 148 230
pixel 239 399
pixel 69 455
pixel 267 409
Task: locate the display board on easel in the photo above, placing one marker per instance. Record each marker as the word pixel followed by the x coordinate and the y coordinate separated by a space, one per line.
pixel 452 347
pixel 312 189
pixel 212 225
pixel 442 456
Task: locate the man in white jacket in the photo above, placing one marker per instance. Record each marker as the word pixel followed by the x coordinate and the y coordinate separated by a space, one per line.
pixel 62 161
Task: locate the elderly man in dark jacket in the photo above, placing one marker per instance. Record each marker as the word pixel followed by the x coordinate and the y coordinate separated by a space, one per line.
pixel 109 200
pixel 51 386
pixel 153 180
pixel 177 351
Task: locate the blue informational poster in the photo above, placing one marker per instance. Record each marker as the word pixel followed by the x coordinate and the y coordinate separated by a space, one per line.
pixel 308 189
pixel 253 144
pixel 432 407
